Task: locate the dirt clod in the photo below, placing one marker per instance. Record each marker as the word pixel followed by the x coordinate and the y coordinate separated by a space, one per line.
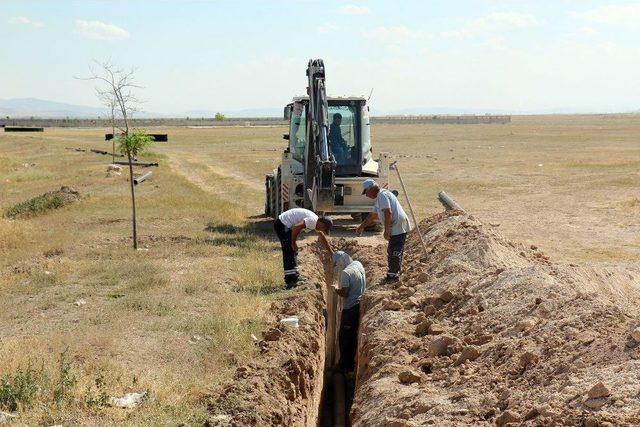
pixel 392 305
pixel 409 377
pixel 445 345
pixel 272 334
pixel 507 417
pixel 469 353
pixel 599 390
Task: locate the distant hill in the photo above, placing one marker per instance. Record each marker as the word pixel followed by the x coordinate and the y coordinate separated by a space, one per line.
pixel 28 107
pixel 34 107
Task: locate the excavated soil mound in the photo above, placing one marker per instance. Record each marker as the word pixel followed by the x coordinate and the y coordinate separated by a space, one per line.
pixel 483 331
pixel 283 385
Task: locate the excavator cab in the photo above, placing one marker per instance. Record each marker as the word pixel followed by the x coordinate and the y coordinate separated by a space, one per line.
pixel 349 137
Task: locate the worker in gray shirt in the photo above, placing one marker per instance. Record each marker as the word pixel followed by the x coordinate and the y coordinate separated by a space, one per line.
pixel 351 285
pixel 389 212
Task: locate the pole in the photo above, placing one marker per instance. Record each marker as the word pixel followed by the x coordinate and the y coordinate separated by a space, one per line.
pixel 394 165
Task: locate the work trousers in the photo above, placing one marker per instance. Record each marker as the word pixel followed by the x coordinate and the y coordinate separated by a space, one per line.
pixel 394 255
pixel 348 337
pixel 289 263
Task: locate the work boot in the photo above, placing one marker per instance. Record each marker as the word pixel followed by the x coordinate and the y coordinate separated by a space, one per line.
pixel 295 284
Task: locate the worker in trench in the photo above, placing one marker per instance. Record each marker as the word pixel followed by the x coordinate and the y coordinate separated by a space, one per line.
pixel 287 227
pixel 389 212
pixel 351 285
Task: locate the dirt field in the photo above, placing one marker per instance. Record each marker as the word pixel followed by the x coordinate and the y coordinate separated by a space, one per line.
pixel 175 319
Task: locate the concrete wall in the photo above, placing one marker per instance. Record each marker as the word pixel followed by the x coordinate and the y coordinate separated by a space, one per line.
pixel 249 121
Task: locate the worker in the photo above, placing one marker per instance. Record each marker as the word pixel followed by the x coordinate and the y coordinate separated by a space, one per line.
pixel 288 226
pixel 337 144
pixel 351 285
pixel 387 209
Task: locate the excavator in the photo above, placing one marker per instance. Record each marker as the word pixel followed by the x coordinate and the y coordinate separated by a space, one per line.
pixel 328 155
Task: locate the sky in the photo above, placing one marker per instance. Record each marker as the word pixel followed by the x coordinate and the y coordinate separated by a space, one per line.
pixel 219 55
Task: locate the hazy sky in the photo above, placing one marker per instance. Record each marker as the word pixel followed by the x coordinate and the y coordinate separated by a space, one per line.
pixel 229 55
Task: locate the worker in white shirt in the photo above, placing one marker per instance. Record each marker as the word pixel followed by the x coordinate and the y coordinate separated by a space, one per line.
pixel 389 212
pixel 288 226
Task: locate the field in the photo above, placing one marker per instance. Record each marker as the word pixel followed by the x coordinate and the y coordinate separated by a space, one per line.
pixel 87 317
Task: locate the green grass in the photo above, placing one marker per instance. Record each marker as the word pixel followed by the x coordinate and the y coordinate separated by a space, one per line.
pixel 38 205
pixel 18 390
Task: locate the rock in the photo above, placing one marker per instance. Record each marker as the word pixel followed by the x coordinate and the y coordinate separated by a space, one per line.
pixel 636 335
pixel 420 317
pixel 429 310
pixel 525 324
pixel 409 377
pixel 436 329
pixel 528 358
pixel 406 291
pixel 392 305
pixel 481 339
pixel 507 417
pixel 445 345
pixel 533 413
pixel 587 337
pixel 272 334
pixel 598 390
pixel 80 302
pixel 397 422
pixel 447 296
pixel 411 303
pixel 195 339
pixel 423 277
pixel 422 328
pixel 592 422
pixel 220 420
pixel 469 353
pixel 5 417
pixel 128 401
pixel 596 404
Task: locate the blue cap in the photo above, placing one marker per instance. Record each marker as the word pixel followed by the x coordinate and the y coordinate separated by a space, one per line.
pixel 367 184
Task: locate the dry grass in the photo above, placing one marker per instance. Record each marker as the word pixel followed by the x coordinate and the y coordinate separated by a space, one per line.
pixel 169 320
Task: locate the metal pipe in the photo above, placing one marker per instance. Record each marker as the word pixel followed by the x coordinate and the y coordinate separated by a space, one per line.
pixel 394 166
pixel 448 203
pixel 142 178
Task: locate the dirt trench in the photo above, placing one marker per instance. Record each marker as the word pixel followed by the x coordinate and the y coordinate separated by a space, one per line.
pixel 482 331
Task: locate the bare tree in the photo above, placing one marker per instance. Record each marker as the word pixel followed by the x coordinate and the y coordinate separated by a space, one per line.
pixel 116 87
pixel 109 101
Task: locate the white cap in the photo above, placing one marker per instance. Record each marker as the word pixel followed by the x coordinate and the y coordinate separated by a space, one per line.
pixel 341 259
pixel 367 184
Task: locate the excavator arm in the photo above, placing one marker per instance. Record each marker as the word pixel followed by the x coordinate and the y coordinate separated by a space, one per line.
pixel 320 163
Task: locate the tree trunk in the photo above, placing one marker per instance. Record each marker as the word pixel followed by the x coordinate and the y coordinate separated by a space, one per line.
pixel 113 141
pixel 133 202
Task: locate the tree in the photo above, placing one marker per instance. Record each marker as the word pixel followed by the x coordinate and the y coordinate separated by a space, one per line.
pixel 117 85
pixel 109 101
pixel 219 117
